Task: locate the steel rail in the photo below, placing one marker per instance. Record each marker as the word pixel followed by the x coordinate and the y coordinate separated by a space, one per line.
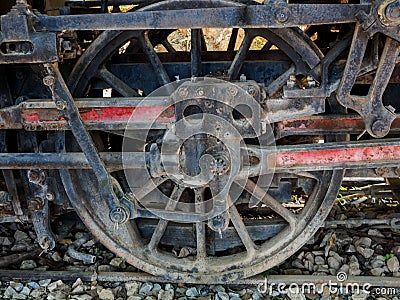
pixel 373 281
pixel 250 16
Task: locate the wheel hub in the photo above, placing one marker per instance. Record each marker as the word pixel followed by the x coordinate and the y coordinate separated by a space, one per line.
pixel 220 165
pixel 203 149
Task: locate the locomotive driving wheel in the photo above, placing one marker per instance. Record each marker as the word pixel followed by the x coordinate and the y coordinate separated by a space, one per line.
pixel 260 226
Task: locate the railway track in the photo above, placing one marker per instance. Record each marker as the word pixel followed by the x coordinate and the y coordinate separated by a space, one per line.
pixel 358 199
pixel 28 275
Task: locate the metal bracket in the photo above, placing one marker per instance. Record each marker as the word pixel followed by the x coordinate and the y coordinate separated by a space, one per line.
pixel 230 96
pixel 377 117
pixel 38 206
pixel 384 17
pixel 20 43
pixel 65 103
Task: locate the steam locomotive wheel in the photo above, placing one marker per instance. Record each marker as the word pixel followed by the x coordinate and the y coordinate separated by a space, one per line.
pixel 149 244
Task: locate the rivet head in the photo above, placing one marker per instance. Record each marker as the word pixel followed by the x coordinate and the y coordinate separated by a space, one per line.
pixel 282 15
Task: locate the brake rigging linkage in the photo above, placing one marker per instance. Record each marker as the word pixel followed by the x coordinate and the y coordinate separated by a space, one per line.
pixel 119 214
pixel 384 17
pixel 38 206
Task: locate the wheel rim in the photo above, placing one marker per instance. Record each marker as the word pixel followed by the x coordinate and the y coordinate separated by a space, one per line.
pixel 127 242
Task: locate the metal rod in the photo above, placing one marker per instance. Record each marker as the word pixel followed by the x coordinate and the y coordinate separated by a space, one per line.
pixel 329 156
pixel 195 52
pixel 114 114
pixel 71 160
pixel 260 16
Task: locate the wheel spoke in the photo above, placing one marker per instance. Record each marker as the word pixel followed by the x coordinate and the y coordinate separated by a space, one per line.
pixel 233 39
pixel 162 223
pixel 155 61
pixel 267 46
pixel 200 226
pixel 195 52
pixel 241 229
pixel 149 186
pixel 271 202
pixel 116 83
pixel 240 56
pixel 278 83
pixel 168 46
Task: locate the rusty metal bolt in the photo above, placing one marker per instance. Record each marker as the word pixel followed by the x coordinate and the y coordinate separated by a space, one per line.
pixel 382 171
pixel 252 90
pixel 310 81
pixel 36 176
pixel 119 215
pixel 242 78
pixel 232 91
pixel 61 104
pixel 67 45
pixel 183 92
pixel 379 128
pixel 46 243
pixel 291 81
pixel 130 196
pixel 392 12
pixel 49 80
pixel 282 15
pixel 208 104
pixel 50 196
pixel 220 165
pixel 35 204
pixel 219 223
pixel 200 92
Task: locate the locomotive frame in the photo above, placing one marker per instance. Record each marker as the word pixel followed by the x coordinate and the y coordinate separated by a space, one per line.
pixel 309 94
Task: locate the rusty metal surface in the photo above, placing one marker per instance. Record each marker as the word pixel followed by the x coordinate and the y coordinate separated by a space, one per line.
pixel 347 155
pixel 377 117
pixel 116 217
pixel 260 16
pixel 357 155
pixel 114 114
pixel 304 57
pixel 327 124
pixel 19 43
